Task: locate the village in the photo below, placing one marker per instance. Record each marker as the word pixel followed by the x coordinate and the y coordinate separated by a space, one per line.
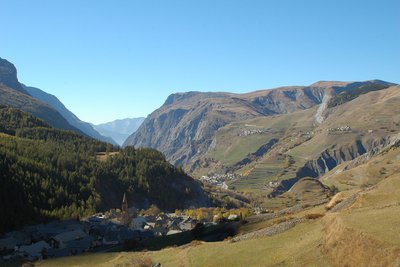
pixel 218 180
pixel 100 232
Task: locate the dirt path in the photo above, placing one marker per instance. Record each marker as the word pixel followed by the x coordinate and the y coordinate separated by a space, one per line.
pixel 270 231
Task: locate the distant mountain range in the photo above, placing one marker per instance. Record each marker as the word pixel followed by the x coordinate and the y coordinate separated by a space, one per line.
pixel 119 130
pixel 186 127
pixel 41 104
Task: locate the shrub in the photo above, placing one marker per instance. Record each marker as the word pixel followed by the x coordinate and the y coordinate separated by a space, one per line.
pixel 313 216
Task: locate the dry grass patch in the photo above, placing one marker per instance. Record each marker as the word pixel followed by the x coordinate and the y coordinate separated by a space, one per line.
pixel 350 247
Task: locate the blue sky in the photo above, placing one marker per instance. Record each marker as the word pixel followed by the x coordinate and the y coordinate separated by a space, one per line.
pixel 108 60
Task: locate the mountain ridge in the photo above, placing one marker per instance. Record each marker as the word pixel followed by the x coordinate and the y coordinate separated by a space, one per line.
pixel 184 126
pixel 39 103
pixel 8 76
pixel 66 113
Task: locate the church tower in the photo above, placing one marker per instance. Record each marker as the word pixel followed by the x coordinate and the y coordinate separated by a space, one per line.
pixel 125 218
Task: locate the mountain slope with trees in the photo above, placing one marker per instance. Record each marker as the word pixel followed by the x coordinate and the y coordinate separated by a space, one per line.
pixel 49 173
pixel 67 114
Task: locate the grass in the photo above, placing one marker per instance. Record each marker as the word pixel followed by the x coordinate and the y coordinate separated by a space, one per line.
pixel 377 211
pixel 81 261
pixel 299 246
pixel 238 149
pixel 231 148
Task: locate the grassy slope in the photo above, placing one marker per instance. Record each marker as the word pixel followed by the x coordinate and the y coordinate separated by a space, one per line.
pixel 364 234
pixel 231 148
pixel 302 243
pixel 371 116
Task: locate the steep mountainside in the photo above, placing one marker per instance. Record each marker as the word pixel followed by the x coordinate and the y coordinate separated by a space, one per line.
pixel 184 128
pixel 13 94
pixel 269 154
pixel 8 76
pixel 49 173
pixel 67 114
pixel 13 98
pixel 119 130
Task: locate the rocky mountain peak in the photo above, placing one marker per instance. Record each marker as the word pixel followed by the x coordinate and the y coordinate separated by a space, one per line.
pixel 8 76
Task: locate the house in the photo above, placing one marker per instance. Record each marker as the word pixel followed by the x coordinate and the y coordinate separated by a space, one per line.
pixel 70 243
pixel 62 240
pixel 187 224
pixel 160 231
pixel 46 231
pixel 173 224
pixel 139 222
pixel 132 211
pixel 119 236
pixel 150 218
pixel 233 217
pixel 34 251
pixel 111 238
pixel 172 232
pixel 8 243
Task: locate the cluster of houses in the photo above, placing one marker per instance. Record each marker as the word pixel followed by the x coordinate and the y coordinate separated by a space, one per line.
pixel 245 133
pixel 99 232
pixel 55 239
pixel 272 184
pixel 218 180
pixel 344 128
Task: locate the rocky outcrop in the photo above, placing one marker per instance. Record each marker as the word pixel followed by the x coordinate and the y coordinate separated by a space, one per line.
pixel 330 158
pixel 8 76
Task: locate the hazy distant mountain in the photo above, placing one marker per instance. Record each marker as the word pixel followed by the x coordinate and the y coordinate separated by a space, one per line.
pixel 67 114
pixel 119 130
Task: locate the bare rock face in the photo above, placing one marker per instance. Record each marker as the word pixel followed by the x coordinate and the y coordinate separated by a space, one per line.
pixel 8 76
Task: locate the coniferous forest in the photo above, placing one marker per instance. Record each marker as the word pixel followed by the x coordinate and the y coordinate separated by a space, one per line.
pixel 47 173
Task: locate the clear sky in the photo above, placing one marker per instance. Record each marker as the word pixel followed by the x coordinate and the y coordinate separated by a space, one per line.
pixel 113 59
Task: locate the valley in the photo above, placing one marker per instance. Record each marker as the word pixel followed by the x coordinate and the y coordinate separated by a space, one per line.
pixel 297 175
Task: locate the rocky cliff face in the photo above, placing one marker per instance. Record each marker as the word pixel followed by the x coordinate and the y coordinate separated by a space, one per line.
pixel 8 76
pixel 185 126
